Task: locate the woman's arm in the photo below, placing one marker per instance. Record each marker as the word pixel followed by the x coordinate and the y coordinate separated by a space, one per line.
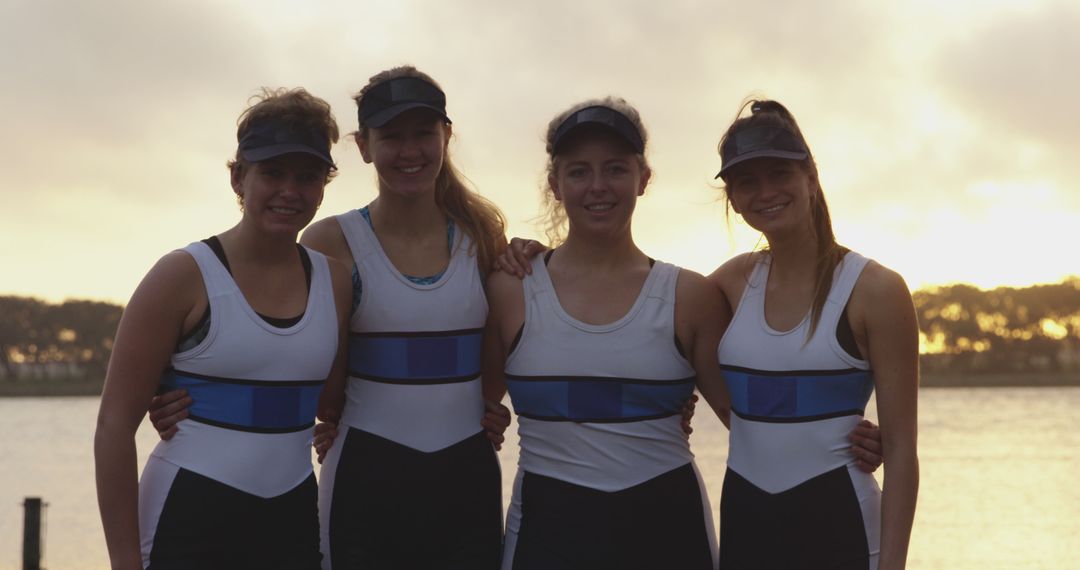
pixel 892 337
pixel 701 317
pixel 332 397
pixel 163 305
pixel 506 315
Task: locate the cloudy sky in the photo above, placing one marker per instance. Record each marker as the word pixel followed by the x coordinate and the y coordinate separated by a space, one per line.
pixel 945 131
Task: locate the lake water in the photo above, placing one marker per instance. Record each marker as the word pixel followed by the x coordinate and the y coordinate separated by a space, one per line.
pixel 1000 477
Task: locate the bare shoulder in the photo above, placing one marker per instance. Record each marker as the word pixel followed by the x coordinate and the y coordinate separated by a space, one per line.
pixel 326 237
pixel 176 273
pixel 693 285
pixel 697 296
pixel 737 268
pixel 734 274
pixel 503 287
pixel 880 299
pixel 171 291
pixel 879 284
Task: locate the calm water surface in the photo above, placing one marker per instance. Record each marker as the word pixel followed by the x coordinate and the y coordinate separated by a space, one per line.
pixel 1000 477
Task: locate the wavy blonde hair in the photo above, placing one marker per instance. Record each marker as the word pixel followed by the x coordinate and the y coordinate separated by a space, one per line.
pixel 477 216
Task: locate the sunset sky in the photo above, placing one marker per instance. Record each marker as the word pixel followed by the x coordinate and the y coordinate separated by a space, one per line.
pixel 946 132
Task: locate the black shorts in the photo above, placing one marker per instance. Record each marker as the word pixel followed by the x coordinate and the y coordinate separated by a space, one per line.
pixel 394 507
pixel 658 524
pixel 816 524
pixel 209 525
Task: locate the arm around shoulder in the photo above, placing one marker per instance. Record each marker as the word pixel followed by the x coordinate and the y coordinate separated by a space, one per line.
pixel 701 317
pixel 506 315
pixel 332 398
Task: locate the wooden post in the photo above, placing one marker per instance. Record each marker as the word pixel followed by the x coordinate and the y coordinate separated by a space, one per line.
pixel 32 533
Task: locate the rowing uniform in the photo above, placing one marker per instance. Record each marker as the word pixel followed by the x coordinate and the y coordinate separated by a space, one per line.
pixel 792 496
pixel 412 482
pixel 605 478
pixel 234 488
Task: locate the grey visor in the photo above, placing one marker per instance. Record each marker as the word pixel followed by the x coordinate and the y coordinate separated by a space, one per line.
pixel 760 142
pixel 267 138
pixel 603 116
pixel 393 97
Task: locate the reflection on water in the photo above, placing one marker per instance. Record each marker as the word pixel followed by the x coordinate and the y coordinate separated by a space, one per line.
pixel 999 470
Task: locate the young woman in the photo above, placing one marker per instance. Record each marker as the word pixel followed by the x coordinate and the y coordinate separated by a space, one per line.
pixel 411 484
pixel 412 481
pixel 602 347
pixel 753 391
pixel 249 322
pixel 816 329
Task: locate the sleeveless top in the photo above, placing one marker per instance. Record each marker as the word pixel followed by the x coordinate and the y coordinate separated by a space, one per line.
pixel 598 405
pixel 414 349
pixel 255 386
pixel 794 397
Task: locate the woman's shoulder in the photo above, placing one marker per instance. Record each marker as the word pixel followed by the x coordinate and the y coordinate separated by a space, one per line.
pixel 879 291
pixel 694 291
pixel 738 267
pixel 326 237
pixel 172 286
pixel 733 276
pixel 877 280
pixel 177 269
pixel 503 286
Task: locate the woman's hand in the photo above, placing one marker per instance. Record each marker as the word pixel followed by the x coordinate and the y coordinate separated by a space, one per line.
pixel 325 434
pixel 688 414
pixel 516 259
pixel 495 421
pixel 866 446
pixel 166 410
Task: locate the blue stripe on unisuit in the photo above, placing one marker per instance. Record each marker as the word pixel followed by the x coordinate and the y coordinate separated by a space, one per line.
pixel 430 357
pixel 597 399
pixel 798 395
pixel 248 405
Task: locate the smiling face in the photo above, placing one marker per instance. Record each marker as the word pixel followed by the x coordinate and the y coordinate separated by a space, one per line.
pixel 773 195
pixel 598 179
pixel 408 152
pixel 280 194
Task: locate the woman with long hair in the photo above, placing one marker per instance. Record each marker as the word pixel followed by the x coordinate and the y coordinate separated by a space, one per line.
pixel 816 329
pixel 412 480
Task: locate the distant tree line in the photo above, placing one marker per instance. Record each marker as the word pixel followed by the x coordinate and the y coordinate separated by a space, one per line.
pixel 71 340
pixel 963 330
pixel 1007 329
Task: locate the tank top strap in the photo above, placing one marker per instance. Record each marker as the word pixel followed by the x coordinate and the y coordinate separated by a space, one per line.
pixel 357 234
pixel 216 278
pixel 462 243
pixel 535 285
pixel 662 289
pixel 662 286
pixel 847 274
pixel 844 278
pixel 760 273
pixel 752 303
pixel 322 285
